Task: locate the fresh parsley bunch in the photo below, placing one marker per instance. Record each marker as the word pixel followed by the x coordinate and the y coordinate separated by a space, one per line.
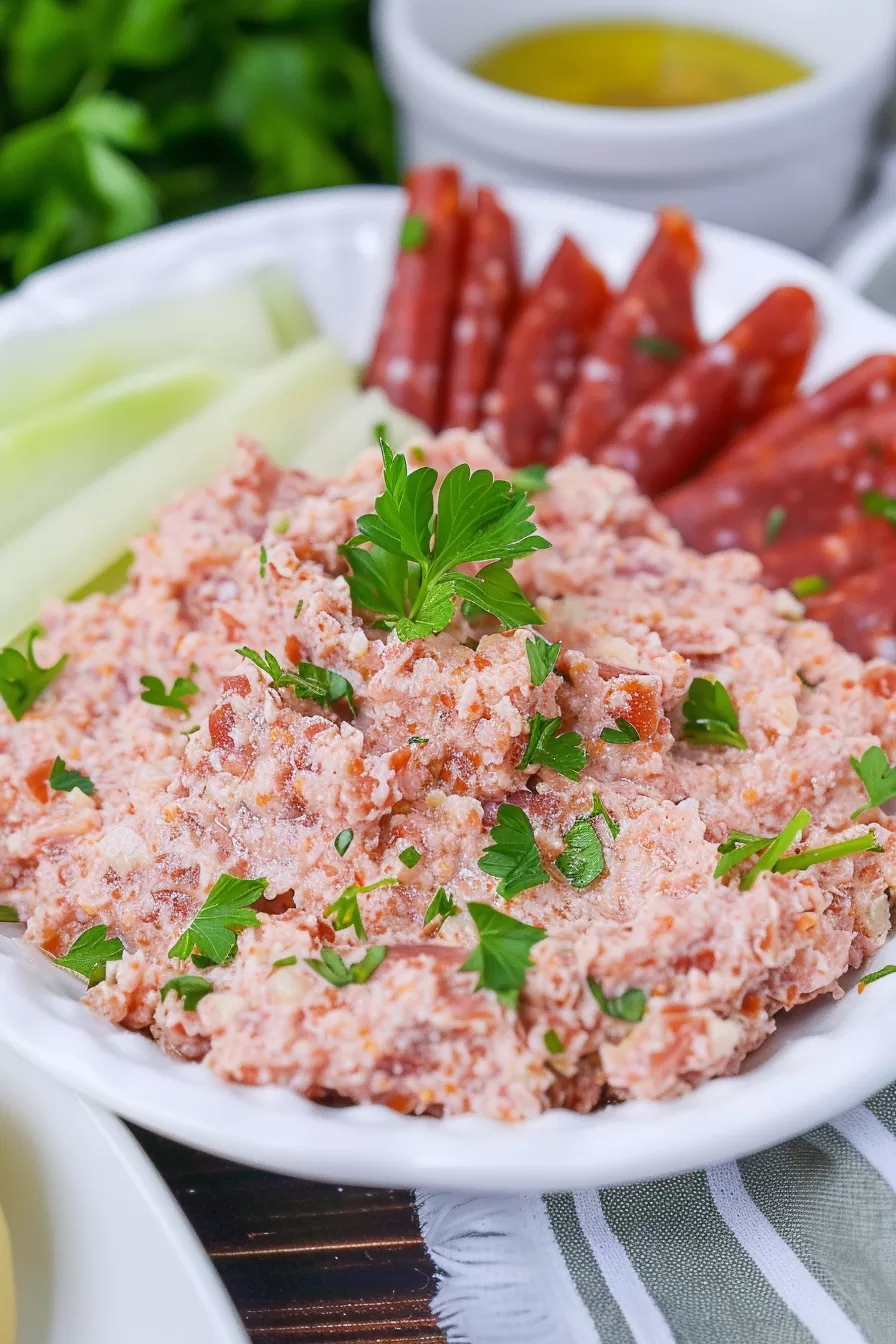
pixel 410 576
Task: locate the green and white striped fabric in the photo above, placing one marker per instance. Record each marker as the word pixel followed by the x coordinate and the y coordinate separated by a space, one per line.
pixel 793 1245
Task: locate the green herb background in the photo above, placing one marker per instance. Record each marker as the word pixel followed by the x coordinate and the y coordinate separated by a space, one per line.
pixel 119 114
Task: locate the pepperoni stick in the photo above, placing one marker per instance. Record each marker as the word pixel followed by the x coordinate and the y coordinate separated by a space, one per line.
pixel 866 384
pixel 750 371
pixel 830 557
pixel 412 346
pixel 524 409
pixel 861 612
pixel 819 490
pixel 488 292
pixel 647 331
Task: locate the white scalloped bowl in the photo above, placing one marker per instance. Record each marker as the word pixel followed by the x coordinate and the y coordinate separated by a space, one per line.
pixel 822 1059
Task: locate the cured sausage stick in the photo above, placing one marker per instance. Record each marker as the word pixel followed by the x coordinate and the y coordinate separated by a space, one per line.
pixel 866 384
pixel 524 409
pixel 411 349
pixel 648 330
pixel 861 612
pixel 489 288
pixel 753 369
pixel 830 556
pixel 819 490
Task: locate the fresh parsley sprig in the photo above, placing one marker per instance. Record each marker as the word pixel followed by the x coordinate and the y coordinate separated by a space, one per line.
pixel 513 855
pixel 622 735
pixel 22 679
pixel 334 969
pixel 582 861
pixel 565 753
pixel 410 577
pixel 343 840
pixel 155 693
pixel 627 1007
pixel 345 911
pixel 710 717
pixel 441 907
pixel 501 957
pixel 89 953
pixel 878 776
pixel 64 780
pixel 542 656
pixel 309 681
pixel 189 988
pixel 227 908
pixel 8 915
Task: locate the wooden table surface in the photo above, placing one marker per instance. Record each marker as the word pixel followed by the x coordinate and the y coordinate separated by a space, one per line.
pixel 314 1264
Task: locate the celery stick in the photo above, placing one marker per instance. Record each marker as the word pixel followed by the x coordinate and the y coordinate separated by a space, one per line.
pixel 355 430
pixel 283 407
pixel 45 459
pixel 241 325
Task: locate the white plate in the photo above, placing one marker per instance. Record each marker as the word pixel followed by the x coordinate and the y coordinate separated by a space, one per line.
pixel 101 1252
pixel 822 1059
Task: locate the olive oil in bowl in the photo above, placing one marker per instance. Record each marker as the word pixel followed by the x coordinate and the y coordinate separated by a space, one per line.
pixel 637 65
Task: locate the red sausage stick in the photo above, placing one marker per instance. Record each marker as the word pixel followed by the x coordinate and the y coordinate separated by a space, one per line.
pixel 489 288
pixel 861 612
pixel 648 330
pixel 524 409
pixel 866 384
pixel 864 544
pixel 411 349
pixel 750 371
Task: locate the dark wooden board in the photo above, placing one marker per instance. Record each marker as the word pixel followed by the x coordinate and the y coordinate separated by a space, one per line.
pixel 314 1264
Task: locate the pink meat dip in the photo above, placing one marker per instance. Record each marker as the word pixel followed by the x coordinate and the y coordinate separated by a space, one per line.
pixel 267 781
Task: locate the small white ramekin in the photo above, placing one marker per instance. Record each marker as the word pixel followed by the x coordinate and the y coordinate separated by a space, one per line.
pixel 785 164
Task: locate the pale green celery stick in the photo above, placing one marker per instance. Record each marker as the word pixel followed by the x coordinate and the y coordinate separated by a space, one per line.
pixel 46 459
pixel 354 431
pixel 283 406
pixel 239 325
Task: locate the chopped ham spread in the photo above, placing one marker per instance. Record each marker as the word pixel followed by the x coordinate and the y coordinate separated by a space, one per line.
pixel 267 781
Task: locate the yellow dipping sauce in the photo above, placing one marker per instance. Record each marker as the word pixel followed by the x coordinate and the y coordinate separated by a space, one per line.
pixel 636 65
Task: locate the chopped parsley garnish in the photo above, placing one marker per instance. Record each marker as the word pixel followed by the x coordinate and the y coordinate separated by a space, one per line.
pixel 417 741
pixel 155 693
pixel 343 840
pixel 346 911
pixel 598 810
pixel 771 850
pixel 441 907
pixel 774 521
pixel 878 776
pixel 263 562
pixel 299 605
pixel 870 978
pixel 808 585
pixel 622 735
pixel 227 908
pixel 22 679
pixel 410 857
pixel 333 968
pixel 627 1007
pixel 710 717
pixel 89 953
pixel 284 961
pixel 410 577
pixel 542 657
pixel 501 957
pixel 880 505
pixel 189 988
pixel 530 480
pixel 281 526
pixel 661 347
pixel 582 861
pixel 552 1042
pixel 565 753
pixel 309 681
pixel 414 233
pixel 417 453
pixel 8 915
pixel 188 732
pixel 64 780
pixel 513 856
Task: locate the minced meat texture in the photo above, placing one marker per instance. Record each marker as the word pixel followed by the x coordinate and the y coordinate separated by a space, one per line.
pixel 268 780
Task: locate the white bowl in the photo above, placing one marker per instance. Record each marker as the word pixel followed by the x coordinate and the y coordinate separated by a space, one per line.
pixel 785 164
pixel 822 1059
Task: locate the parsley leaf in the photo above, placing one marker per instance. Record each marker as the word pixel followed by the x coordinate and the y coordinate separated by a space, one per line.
pixel 502 955
pixel 263 562
pixel 808 584
pixel 598 810
pixel 414 233
pixel 710 717
pixel 227 907
pixel 514 856
pixel 870 978
pixel 582 861
pixel 21 679
pixel 661 347
pixel 775 520
pixel 623 734
pixel 417 741
pixel 880 505
pixel 89 953
pixel 410 857
pixel 410 577
pixel 342 841
pixel 878 776
pixel 627 1007
pixel 155 693
pixel 189 988
pixel 552 1042
pixel 309 681
pixel 281 527
pixel 565 753
pixel 64 780
pixel 284 961
pixel 441 907
pixel 542 657
pixel 333 968
pixel 345 910
pixel 530 480
pixel 8 915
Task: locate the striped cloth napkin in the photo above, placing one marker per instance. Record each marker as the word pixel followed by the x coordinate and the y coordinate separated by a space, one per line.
pixel 793 1245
